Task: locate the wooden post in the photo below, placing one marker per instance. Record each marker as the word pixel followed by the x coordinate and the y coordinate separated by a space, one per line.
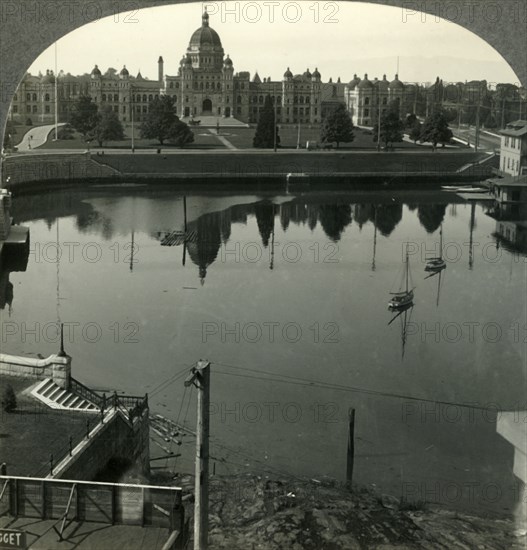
pixel 351 447
pixel 43 493
pixel 200 377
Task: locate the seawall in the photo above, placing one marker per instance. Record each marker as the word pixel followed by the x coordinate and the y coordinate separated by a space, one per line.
pixel 171 166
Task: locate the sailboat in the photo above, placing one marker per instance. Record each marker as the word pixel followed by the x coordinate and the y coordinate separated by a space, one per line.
pixel 403 297
pixel 437 264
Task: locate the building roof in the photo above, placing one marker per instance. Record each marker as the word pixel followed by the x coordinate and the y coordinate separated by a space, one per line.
pixel 205 37
pixel 365 83
pixel 396 83
pixel 383 84
pixel 354 82
pixel 518 128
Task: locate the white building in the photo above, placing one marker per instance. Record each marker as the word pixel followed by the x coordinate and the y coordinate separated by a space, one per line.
pixel 513 153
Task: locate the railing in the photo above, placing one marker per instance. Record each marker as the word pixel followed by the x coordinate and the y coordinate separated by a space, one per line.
pixel 133 406
pixel 83 391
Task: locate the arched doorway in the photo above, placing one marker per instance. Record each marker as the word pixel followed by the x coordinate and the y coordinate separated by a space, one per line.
pixel 187 111
pixel 207 107
pixel 227 112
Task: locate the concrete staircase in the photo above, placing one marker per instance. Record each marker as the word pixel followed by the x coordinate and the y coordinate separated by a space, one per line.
pixel 56 397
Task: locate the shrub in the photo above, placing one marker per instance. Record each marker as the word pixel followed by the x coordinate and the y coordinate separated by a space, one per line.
pixel 9 399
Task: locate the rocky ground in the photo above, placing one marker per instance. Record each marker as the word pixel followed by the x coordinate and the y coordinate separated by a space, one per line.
pixel 256 513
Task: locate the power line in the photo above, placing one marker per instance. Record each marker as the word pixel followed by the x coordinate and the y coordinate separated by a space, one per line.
pixel 273 377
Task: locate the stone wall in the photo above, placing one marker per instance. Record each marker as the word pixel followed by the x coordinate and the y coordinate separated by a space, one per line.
pixel 116 438
pixel 5 216
pixel 62 168
pixel 54 367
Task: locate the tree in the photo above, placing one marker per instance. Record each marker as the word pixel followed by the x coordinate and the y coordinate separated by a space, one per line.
pixel 337 127
pixel 9 134
pixel 410 120
pixel 436 130
pixel 180 134
pixel 391 126
pixel 109 127
pixel 160 119
pixel 265 129
pixel 9 403
pixel 415 131
pixel 84 115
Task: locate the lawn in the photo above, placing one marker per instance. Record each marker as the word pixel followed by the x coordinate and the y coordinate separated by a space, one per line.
pixel 203 139
pixel 31 433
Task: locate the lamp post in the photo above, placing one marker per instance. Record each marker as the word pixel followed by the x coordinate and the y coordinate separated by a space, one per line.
pixel 56 97
pixel 132 109
pixel 274 125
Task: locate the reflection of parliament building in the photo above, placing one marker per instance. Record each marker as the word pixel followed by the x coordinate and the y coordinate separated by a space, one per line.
pixel 206 84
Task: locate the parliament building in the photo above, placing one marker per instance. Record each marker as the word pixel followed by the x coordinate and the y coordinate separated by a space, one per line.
pixel 206 85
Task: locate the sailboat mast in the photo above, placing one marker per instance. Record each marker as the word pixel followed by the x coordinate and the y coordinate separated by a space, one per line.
pixel 406 268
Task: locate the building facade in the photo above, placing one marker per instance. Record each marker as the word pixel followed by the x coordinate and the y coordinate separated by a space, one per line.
pixel 513 151
pixel 206 85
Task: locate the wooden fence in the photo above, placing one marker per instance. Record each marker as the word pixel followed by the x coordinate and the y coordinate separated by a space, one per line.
pixel 113 503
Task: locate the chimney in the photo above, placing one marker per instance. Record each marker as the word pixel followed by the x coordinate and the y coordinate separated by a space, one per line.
pixel 160 73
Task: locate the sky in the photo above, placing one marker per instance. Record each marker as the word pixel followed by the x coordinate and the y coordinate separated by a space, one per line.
pixel 338 38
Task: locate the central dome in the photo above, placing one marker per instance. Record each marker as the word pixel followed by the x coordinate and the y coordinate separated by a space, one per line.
pixel 205 38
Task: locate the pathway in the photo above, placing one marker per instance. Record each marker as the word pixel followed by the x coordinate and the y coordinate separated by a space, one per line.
pixel 36 137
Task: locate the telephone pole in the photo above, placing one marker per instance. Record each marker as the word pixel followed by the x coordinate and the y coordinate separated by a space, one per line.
pixel 200 377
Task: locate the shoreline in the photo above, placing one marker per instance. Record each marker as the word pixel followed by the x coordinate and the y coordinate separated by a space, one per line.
pixel 288 512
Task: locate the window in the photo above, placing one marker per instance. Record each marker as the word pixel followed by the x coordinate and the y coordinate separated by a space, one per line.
pixel 144 97
pixel 201 85
pixel 15 108
pixel 104 97
pixel 261 99
pixel 34 97
pixel 366 112
pixel 366 101
pixel 116 97
pixel 506 141
pixel 46 97
pixel 28 109
pixel 116 109
pixel 47 109
pixel 28 97
pixel 150 97
pixel 384 100
pixel 15 97
pixel 301 99
pixel 171 85
pixel 124 108
pixel 144 109
pixel 239 99
pixel 34 108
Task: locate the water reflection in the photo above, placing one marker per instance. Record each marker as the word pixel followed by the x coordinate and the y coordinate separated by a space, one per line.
pixel 350 250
